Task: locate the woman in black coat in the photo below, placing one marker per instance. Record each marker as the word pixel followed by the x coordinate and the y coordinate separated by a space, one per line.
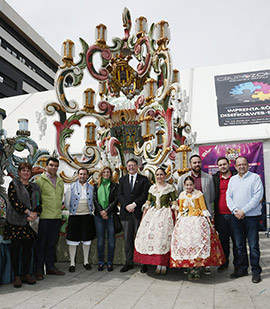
pixel 105 201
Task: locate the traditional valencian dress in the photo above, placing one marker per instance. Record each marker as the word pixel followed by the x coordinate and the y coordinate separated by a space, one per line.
pixel 195 242
pixel 153 239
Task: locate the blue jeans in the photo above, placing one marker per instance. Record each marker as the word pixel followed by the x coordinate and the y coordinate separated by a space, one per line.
pixel 223 223
pixel 101 226
pixel 248 228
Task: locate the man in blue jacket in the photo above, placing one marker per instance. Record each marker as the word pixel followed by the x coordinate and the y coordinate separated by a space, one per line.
pixel 81 226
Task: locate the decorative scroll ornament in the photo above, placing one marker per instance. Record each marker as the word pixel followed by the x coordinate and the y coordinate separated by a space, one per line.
pixel 140 110
pixel 20 143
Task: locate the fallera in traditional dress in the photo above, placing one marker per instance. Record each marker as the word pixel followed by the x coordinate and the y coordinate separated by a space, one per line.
pixel 195 242
pixel 153 239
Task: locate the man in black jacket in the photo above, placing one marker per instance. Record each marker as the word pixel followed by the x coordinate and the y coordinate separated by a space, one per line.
pixel 222 213
pixel 132 194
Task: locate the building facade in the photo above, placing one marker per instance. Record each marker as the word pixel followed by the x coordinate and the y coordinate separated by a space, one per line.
pixel 27 62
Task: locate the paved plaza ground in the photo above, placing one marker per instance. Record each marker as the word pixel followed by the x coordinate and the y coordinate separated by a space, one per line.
pixel 94 289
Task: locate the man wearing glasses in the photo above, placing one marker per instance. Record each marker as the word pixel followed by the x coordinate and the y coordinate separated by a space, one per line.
pixel 243 196
pixel 132 194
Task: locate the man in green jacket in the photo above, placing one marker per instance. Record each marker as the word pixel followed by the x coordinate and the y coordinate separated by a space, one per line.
pixel 52 191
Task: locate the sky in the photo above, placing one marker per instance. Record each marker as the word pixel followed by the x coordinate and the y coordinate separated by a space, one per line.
pixel 203 32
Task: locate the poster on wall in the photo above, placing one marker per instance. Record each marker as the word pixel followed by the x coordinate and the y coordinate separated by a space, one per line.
pixel 243 98
pixel 252 151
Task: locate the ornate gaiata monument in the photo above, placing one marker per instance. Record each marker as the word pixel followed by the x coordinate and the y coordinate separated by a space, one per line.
pixel 9 159
pixel 138 110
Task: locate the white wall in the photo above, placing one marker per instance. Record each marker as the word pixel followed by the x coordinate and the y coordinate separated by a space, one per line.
pixel 203 112
pixel 26 106
pixel 203 115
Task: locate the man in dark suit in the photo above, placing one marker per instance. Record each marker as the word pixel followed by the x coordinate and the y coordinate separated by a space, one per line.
pixel 132 194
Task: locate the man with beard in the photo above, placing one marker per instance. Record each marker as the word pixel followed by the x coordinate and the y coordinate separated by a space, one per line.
pixel 223 215
pixel 204 183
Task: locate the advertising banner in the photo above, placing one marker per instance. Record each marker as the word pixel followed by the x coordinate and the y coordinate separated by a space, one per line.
pixel 252 151
pixel 243 98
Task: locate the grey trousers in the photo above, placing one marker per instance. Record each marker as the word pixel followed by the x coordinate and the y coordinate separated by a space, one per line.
pixel 130 228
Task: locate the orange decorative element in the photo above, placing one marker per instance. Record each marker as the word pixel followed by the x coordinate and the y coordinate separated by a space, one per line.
pixel 163 34
pixel 89 97
pixel 124 77
pixel 67 53
pixel 141 26
pixel 150 88
pixel 175 78
pixel 90 134
pixel 101 33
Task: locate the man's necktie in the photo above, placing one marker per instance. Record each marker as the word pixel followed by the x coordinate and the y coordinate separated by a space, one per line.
pixel 131 183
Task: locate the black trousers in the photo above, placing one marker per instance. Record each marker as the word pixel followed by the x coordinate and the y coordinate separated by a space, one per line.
pixel 46 241
pixel 15 250
pixel 223 223
pixel 130 228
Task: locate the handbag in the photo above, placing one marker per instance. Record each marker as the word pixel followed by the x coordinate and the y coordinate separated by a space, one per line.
pixel 117 223
pixel 34 224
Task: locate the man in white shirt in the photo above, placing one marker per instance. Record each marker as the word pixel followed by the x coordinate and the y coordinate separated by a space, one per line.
pixel 81 226
pixel 244 195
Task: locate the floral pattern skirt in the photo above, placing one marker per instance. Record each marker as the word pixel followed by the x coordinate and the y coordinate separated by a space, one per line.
pixel 153 239
pixel 195 244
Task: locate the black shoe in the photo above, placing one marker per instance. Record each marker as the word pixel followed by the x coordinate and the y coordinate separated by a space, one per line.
pixel 126 268
pixel 17 283
pixel 71 269
pixel 238 274
pixel 109 267
pixel 55 271
pixel 256 278
pixel 100 266
pixel 39 275
pixel 87 266
pixel 28 279
pixel 207 270
pixel 144 269
pixel 222 268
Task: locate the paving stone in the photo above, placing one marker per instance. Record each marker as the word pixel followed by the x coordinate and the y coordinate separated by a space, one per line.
pixel 95 289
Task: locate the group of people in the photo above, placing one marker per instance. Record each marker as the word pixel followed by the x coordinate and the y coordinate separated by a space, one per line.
pixel 160 227
pixel 183 234
pixel 33 204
